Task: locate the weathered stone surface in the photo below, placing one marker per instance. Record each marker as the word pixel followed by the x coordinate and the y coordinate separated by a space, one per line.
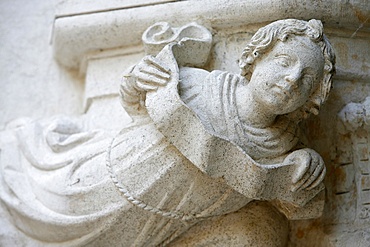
pixel 181 161
pixel 101 41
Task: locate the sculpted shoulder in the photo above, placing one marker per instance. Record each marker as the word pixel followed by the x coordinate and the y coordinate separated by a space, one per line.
pixel 189 75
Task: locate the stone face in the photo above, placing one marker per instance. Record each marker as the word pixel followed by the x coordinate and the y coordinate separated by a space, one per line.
pixel 174 168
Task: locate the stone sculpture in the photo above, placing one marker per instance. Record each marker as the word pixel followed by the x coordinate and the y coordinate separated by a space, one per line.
pixel 201 145
pixel 354 126
pixel 355 115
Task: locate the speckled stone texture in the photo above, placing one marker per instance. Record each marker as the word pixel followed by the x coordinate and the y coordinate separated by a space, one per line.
pixel 215 145
pixel 244 227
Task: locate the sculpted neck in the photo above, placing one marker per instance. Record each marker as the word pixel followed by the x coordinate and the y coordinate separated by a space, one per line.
pixel 251 112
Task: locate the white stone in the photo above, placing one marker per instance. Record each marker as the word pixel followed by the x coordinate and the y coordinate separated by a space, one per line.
pixel 189 158
pixel 101 40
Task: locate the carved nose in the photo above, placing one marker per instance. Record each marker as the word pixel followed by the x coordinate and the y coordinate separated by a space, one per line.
pixel 294 76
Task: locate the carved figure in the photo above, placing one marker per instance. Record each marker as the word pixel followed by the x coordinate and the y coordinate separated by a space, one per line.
pixel 355 115
pixel 354 126
pixel 202 144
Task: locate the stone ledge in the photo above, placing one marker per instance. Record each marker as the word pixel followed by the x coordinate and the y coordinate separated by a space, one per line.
pixel 77 35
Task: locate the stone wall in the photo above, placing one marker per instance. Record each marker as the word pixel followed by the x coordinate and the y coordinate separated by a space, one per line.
pixel 31 80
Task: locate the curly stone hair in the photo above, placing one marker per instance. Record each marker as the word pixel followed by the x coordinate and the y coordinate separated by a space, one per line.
pixel 266 37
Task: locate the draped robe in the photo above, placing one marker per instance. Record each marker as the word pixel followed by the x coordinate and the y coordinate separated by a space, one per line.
pixel 63 185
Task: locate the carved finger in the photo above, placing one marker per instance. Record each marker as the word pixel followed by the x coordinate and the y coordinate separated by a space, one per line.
pixel 154 72
pixel 298 185
pixel 318 180
pixel 315 160
pixel 153 61
pixel 145 86
pixel 302 168
pixel 313 176
pixel 305 173
pixel 150 79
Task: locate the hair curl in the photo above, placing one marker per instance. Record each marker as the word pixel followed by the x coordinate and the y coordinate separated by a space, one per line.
pixel 266 37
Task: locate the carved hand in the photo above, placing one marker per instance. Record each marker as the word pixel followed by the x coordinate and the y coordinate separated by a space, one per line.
pixel 310 169
pixel 150 74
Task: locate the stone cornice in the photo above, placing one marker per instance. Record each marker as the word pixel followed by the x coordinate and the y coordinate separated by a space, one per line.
pixel 79 34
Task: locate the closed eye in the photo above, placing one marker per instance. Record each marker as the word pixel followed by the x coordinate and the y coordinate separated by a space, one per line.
pixel 283 60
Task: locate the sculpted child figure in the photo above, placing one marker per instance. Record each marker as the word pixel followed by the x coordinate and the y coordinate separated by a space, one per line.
pixel 161 176
pixel 286 74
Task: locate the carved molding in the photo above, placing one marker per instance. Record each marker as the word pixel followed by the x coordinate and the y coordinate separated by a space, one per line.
pixel 76 36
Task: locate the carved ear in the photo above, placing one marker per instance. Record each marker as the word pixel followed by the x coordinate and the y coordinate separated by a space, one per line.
pixel 243 60
pixel 314 110
pixel 246 61
pixel 250 59
pixel 315 105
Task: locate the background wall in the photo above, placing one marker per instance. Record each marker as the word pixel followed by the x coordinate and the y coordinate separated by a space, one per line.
pixel 31 82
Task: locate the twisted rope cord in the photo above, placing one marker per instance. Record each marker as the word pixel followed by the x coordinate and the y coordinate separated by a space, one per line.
pixel 139 203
